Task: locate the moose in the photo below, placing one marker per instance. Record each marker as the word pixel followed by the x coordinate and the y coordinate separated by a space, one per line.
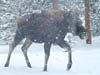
pixel 42 28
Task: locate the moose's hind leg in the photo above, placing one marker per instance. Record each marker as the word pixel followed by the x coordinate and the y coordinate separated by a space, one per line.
pixel 25 47
pixel 18 37
pixel 11 48
pixel 65 45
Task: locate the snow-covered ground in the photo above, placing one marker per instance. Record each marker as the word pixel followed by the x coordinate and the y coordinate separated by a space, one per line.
pixel 86 60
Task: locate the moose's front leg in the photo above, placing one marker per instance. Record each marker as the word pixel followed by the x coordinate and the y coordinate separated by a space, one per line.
pixel 47 47
pixel 69 58
pixel 65 45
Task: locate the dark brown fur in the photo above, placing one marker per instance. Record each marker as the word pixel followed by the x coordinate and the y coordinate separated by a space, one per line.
pixel 43 28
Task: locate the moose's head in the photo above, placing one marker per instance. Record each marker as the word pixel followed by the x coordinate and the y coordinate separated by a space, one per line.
pixel 74 24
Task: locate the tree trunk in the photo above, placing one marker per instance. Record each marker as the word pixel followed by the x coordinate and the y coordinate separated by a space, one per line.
pixel 87 22
pixel 55 4
pixel 56 11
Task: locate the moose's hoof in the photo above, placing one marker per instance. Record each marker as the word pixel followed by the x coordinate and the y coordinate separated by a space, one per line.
pixel 69 66
pixel 29 65
pixel 45 69
pixel 6 65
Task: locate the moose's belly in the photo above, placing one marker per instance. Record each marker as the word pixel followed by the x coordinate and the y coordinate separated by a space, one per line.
pixel 43 39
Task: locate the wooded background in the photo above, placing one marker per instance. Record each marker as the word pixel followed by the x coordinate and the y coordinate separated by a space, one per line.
pixel 10 9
